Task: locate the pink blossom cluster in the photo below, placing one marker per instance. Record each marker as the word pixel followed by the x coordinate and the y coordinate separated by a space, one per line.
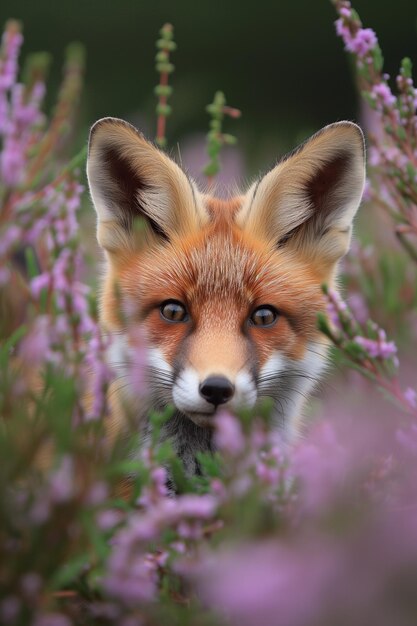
pixel 383 96
pixel 392 122
pixel 20 112
pixel 377 357
pixel 379 347
pixel 10 47
pixel 59 283
pixel 66 330
pixel 254 461
pixel 132 571
pixel 251 581
pixel 359 41
pixel 40 217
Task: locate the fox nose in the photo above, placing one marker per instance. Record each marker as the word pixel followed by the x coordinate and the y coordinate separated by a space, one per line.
pixel 216 389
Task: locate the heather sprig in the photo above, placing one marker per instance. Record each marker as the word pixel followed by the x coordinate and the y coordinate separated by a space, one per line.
pixel 165 45
pixel 27 142
pixel 393 134
pixel 380 284
pixel 365 347
pixel 38 219
pixel 216 138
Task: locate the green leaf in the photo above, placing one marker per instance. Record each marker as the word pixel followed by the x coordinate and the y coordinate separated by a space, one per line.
pixel 407 67
pixel 13 340
pixel 323 323
pixel 231 140
pixel 354 350
pixel 378 58
pixel 163 90
pixel 401 133
pixel 124 467
pixel 211 169
pixel 163 109
pixel 181 481
pixel 69 572
pixel 210 464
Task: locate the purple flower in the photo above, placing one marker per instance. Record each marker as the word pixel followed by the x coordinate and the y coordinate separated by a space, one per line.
pixel 97 493
pixel 31 584
pixel 52 619
pixel 35 347
pixel 9 609
pixel 108 519
pixel 10 47
pixel 377 348
pixel 336 308
pixel 40 282
pixel 360 44
pixel 61 481
pixel 411 397
pixel 260 582
pixel 228 436
pixel 383 96
pixel 9 237
pixel 100 373
pixel 359 307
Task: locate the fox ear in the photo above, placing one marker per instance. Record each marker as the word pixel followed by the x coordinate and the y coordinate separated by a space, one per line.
pixel 308 201
pixel 130 178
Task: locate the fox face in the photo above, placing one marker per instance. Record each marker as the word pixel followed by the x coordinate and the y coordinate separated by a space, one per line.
pixel 226 293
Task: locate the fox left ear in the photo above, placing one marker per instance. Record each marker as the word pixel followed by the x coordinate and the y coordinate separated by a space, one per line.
pixel 131 179
pixel 308 201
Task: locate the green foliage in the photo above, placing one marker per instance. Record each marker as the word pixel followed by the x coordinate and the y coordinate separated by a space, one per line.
pixel 215 137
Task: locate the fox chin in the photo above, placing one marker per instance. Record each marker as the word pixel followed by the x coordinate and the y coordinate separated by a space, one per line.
pixel 225 293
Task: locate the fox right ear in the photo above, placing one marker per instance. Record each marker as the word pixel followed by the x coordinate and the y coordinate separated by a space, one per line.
pixel 308 201
pixel 130 178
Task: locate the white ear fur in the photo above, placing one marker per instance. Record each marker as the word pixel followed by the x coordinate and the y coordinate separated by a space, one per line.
pixel 130 178
pixel 308 201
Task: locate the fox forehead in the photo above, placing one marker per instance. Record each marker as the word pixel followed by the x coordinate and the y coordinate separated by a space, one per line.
pixel 221 264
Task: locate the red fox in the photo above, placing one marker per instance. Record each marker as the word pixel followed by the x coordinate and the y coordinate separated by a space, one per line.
pixel 226 292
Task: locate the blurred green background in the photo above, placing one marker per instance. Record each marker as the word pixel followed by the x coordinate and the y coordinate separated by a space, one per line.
pixel 280 62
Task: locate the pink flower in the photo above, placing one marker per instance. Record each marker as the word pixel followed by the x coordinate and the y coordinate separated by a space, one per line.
pixel 377 348
pixel 411 396
pixel 268 583
pixel 228 435
pixel 383 96
pixel 11 43
pixel 61 482
pixel 359 307
pixel 9 609
pixel 38 283
pixel 52 619
pixel 108 519
pixel 360 44
pixel 361 41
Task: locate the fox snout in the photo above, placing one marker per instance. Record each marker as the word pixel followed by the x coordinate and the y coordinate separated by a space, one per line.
pixel 199 396
pixel 217 390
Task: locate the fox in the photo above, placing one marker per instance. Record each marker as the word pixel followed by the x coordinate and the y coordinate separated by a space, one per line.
pixel 225 292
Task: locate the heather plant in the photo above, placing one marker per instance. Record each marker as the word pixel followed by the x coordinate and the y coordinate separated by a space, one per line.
pixel 165 45
pixel 392 136
pixel 216 138
pixel 320 532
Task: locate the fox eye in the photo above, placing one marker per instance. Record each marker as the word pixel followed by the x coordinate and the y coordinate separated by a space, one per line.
pixel 173 311
pixel 265 315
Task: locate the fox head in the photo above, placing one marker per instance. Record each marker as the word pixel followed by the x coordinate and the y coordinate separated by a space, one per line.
pixel 226 292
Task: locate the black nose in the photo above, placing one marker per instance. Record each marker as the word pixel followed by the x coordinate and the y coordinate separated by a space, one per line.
pixel 217 389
